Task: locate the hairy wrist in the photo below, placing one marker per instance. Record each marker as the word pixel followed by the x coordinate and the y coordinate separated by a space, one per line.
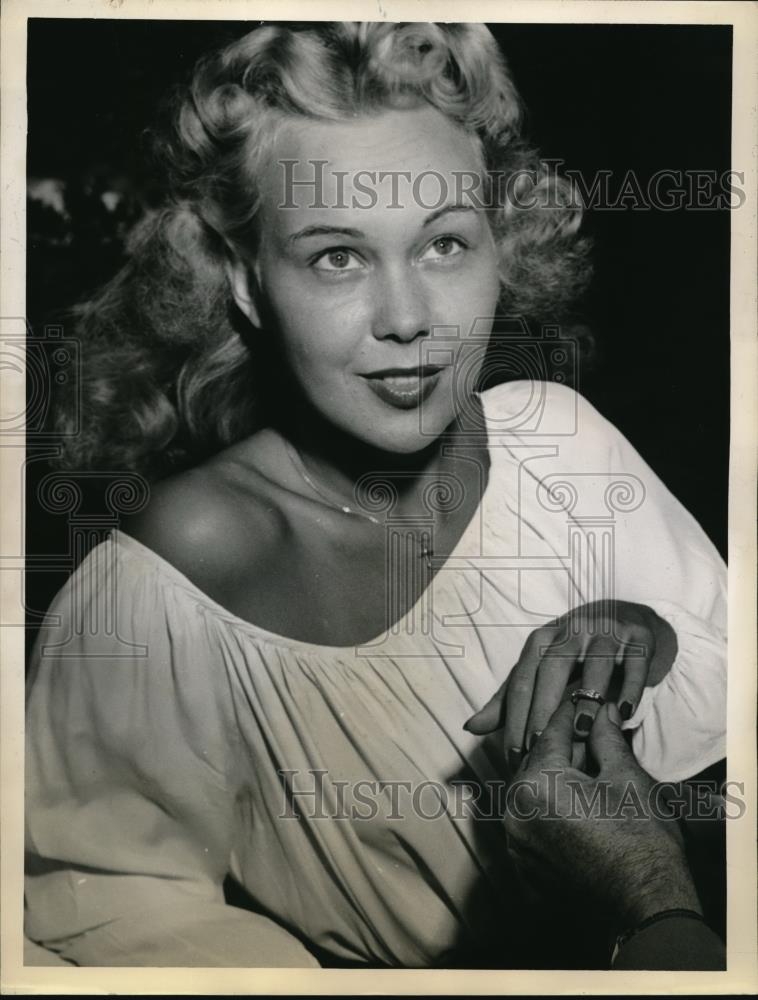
pixel 663 883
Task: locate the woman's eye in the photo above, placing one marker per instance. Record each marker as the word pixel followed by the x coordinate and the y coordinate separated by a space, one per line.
pixel 443 246
pixel 337 260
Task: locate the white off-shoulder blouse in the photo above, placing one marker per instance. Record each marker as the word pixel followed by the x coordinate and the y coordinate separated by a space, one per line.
pixel 170 743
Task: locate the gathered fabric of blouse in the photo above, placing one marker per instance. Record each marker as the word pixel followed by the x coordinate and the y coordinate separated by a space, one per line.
pixel 171 744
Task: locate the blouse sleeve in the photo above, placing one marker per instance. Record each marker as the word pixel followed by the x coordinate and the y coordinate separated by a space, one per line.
pixel 130 810
pixel 657 555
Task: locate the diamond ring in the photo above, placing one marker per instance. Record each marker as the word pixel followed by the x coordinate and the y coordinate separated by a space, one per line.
pixel 587 694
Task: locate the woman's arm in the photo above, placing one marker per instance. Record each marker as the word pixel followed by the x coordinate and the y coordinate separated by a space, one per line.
pixel 130 784
pixel 663 559
pixel 587 496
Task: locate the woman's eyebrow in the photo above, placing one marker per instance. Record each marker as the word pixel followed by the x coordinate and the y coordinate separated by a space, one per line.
pixel 323 230
pixel 456 207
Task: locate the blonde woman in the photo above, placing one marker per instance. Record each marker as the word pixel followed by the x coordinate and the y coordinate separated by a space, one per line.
pixel 355 549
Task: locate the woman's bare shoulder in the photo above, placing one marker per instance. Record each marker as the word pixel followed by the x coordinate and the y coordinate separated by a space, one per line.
pixel 210 521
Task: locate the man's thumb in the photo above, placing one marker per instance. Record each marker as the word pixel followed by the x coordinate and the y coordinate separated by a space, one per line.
pixel 607 742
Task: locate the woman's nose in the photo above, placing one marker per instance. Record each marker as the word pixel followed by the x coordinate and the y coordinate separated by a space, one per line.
pixel 401 311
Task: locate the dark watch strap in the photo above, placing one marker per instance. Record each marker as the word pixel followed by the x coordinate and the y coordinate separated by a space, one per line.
pixel 627 935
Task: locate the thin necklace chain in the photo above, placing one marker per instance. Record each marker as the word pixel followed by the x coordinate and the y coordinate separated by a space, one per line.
pixel 300 468
pixel 425 547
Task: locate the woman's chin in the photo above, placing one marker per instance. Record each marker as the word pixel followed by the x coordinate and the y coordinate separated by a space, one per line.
pixel 412 441
pixel 390 429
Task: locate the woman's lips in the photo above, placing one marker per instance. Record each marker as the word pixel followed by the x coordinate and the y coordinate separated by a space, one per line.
pixel 405 392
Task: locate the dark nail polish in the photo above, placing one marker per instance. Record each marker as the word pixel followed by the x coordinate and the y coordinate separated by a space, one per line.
pixel 467 725
pixel 584 723
pixel 514 756
pixel 626 710
pixel 533 737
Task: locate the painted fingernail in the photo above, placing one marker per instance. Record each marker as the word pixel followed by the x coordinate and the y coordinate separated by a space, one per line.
pixel 467 725
pixel 514 756
pixel 584 723
pixel 533 737
pixel 626 709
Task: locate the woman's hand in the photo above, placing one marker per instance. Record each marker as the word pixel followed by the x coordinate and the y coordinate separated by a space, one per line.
pixel 600 636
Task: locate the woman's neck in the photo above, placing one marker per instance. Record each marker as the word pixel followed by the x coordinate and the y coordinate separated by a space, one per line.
pixel 336 462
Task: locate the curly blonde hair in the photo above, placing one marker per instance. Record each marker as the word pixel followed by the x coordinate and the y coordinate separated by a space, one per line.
pixel 169 375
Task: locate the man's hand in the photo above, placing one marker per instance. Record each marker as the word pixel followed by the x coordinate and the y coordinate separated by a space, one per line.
pixel 605 839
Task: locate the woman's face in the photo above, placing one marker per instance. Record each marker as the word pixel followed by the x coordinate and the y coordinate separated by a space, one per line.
pixel 380 276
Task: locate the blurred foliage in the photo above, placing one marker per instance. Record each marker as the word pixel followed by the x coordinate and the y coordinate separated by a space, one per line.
pixel 76 233
pixel 656 361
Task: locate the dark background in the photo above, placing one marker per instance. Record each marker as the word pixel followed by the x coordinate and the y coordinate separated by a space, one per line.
pixel 599 97
pixel 619 98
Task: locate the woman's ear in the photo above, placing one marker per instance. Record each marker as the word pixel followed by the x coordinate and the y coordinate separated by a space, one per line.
pixel 244 285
